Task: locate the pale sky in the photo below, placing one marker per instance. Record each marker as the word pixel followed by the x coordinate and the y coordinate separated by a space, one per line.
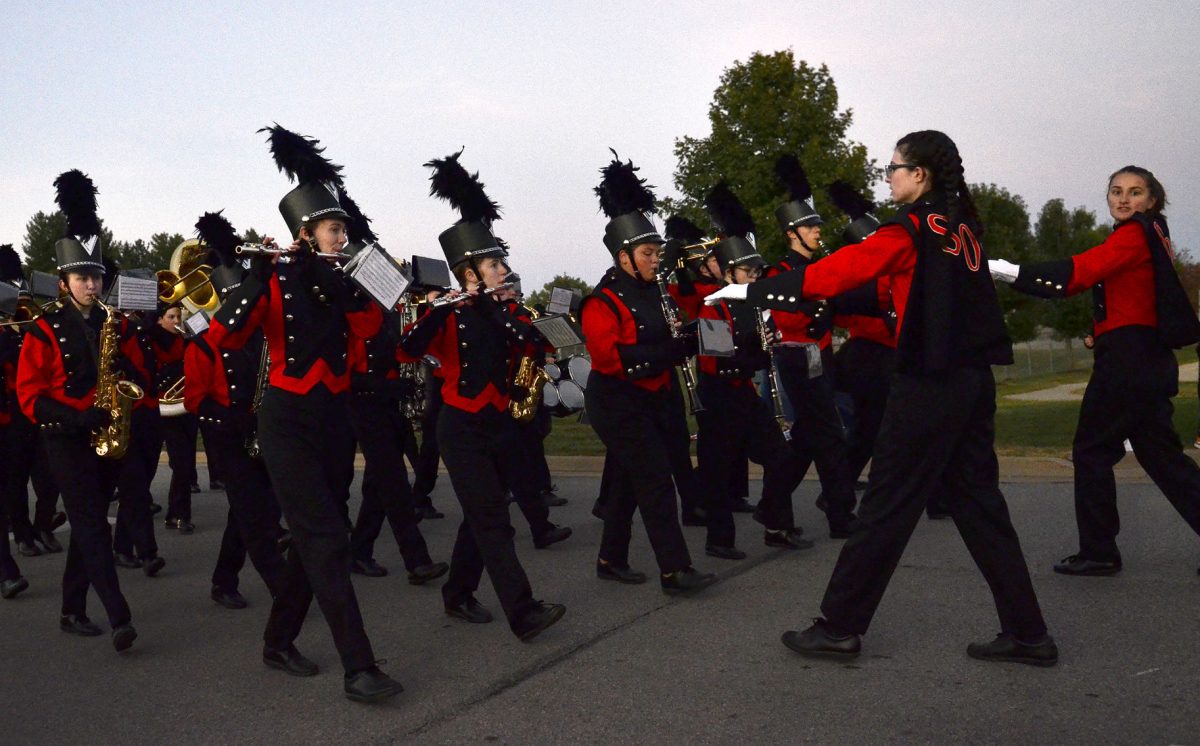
pixel 159 102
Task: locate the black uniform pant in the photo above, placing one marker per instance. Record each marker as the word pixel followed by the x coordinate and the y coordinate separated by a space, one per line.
pixel 252 524
pixel 179 434
pixel 817 434
pixel 1129 396
pixel 482 452
pixel 383 434
pixel 736 425
pixel 935 425
pixel 135 523
pixel 864 371
pixel 306 444
pixel 24 457
pixel 637 428
pixel 87 483
pixel 8 566
pixel 425 471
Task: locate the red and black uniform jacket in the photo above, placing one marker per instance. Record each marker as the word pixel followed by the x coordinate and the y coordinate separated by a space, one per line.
pixel 748 356
pixel 306 310
pixel 162 362
pixel 56 376
pixel 10 353
pixel 478 344
pixel 374 367
pixel 219 384
pixel 812 322
pixel 689 293
pixel 947 313
pixel 627 334
pixel 1133 281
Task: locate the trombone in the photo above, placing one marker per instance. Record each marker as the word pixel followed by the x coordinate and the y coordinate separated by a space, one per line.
pixel 28 310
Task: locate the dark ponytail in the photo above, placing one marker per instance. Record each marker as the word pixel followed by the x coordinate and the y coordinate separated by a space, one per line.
pixel 1157 191
pixel 936 153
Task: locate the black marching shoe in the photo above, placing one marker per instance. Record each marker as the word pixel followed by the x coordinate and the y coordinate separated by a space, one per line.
pixel 741 505
pixel 686 581
pixel 78 625
pixel 598 509
pixel 123 637
pixel 625 575
pixel 290 661
pixel 1007 648
pixel 823 641
pixel 694 517
pixel 841 528
pixel 48 543
pixel 57 520
pixel 10 588
pixel 553 536
pixel 370 685
pixel 426 511
pixel 790 539
pixel 152 565
pixel 725 553
pixel 183 525
pixel 552 498
pixel 126 561
pixel 1077 565
pixel 195 488
pixel 27 549
pixel 228 599
pixel 368 567
pixel 538 620
pixel 425 573
pixel 470 611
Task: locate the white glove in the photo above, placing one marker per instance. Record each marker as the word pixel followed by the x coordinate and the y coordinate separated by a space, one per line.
pixel 729 292
pixel 1003 271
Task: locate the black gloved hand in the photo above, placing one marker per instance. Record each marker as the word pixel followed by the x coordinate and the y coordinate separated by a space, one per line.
pixel 92 419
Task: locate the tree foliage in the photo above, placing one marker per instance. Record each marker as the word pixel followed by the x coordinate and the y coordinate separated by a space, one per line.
pixel 1007 236
pixel 1062 233
pixel 768 105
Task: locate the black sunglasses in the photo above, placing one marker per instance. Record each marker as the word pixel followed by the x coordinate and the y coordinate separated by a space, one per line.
pixel 892 168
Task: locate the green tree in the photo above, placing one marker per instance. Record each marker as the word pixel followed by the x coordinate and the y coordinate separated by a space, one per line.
pixel 162 245
pixel 560 281
pixel 1005 218
pixel 1061 233
pixel 768 105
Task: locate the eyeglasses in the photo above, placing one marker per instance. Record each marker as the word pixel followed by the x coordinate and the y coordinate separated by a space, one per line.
pixel 892 168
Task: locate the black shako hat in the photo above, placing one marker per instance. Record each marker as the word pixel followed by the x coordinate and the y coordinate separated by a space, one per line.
pixel 733 222
pixel 222 241
pixel 628 203
pixel 858 208
pixel 799 210
pixel 471 237
pixel 79 250
pixel 318 182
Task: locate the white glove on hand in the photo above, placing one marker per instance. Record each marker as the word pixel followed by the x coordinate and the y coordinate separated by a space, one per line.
pixel 1003 271
pixel 729 292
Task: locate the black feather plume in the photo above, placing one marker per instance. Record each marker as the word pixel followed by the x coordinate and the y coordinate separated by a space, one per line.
pixel 791 173
pixel 849 200
pixel 728 214
pixel 10 263
pixel 359 225
pixel 218 235
pixel 621 191
pixel 300 157
pixel 677 226
pixel 464 191
pixel 76 198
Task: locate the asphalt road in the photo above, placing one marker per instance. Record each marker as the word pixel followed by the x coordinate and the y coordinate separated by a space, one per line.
pixel 627 664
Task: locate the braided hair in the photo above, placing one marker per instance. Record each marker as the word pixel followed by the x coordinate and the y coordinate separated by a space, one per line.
pixel 936 153
pixel 1157 191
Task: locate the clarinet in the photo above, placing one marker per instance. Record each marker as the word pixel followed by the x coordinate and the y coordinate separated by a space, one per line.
pixel 671 312
pixel 773 383
pixel 260 385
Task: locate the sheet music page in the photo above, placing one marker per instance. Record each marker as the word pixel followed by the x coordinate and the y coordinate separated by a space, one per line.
pixel 378 275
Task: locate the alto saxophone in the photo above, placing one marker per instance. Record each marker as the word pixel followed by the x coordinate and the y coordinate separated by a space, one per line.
pixel 533 378
pixel 112 394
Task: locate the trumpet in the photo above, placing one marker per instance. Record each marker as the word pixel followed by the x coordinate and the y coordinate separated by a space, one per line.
pixel 446 300
pixel 28 311
pixel 253 249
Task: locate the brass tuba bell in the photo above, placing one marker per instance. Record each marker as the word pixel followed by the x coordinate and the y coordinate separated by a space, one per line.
pixel 187 280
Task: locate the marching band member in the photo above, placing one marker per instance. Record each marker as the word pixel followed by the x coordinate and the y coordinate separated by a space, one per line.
pixel 376 392
pixel 805 357
pixel 736 423
pixel 11 580
pixel 219 391
pixel 476 341
pixel 306 310
pixel 1141 312
pixel 632 397
pixel 56 387
pixel 940 418
pixel 179 433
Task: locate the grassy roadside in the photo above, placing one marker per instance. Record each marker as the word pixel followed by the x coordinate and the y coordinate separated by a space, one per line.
pixel 1022 428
